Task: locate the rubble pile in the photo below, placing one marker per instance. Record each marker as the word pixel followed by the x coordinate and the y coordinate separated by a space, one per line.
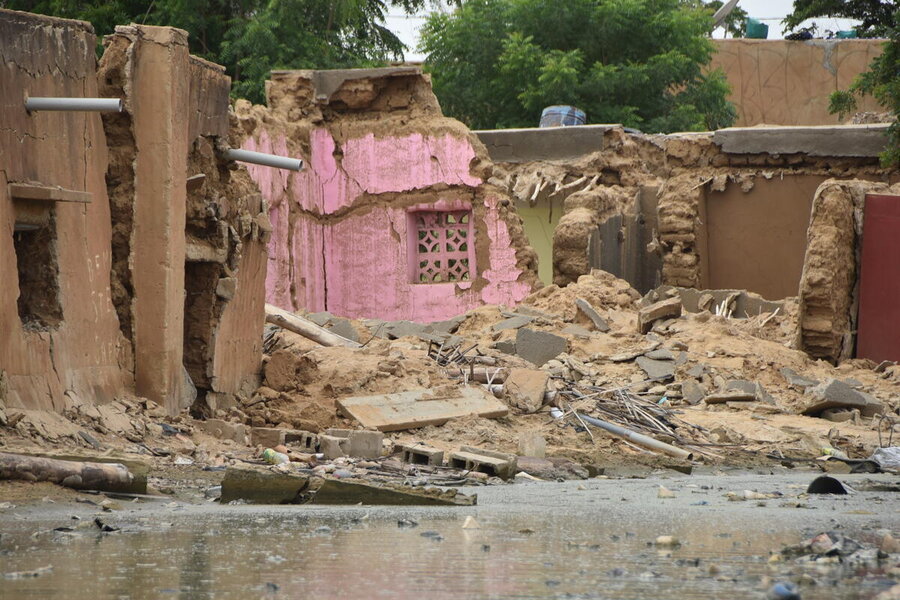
pixel 521 382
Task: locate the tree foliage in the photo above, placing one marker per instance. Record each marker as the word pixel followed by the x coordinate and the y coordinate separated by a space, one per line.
pixel 497 63
pixel 252 37
pixel 878 18
pixel 882 80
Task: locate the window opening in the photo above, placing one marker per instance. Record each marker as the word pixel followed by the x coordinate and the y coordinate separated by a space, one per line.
pixel 442 246
pixel 38 274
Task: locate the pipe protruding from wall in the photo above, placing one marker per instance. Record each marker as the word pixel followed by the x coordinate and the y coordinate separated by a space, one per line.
pixel 261 158
pixel 75 104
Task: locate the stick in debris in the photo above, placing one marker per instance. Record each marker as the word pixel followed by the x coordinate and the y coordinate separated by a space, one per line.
pixel 306 328
pixel 67 473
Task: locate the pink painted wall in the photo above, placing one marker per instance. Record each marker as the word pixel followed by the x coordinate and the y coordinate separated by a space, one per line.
pixel 355 263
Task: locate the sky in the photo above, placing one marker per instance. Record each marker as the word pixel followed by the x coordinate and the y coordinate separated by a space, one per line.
pixel 770 12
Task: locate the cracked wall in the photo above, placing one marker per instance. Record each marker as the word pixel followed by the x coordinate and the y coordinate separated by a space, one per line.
pixel 80 351
pixel 780 82
pixel 376 148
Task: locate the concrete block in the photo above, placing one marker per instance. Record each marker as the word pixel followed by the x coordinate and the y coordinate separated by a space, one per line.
pixel 333 446
pixel 524 389
pixel 268 437
pixel 537 347
pixel 664 309
pixel 477 460
pixel 822 140
pixel 599 322
pixel 421 454
pixel 225 430
pixel 307 441
pixel 363 444
pixel 532 444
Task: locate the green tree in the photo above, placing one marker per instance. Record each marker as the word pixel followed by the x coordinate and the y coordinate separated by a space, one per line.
pixel 882 80
pixel 252 37
pixel 497 63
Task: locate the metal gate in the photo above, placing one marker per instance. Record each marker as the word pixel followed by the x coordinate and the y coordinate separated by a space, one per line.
pixel 878 331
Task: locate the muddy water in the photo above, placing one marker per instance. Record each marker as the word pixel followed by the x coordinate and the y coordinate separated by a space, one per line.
pixel 534 541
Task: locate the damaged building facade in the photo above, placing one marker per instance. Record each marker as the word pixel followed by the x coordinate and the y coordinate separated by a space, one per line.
pixel 393 217
pixel 132 255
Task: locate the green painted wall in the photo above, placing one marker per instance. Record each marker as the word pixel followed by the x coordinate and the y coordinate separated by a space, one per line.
pixel 540 221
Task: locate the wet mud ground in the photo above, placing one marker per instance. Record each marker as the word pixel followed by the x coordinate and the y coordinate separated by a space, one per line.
pixel 591 539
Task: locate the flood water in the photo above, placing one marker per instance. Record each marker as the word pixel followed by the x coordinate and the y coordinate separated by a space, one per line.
pixel 535 541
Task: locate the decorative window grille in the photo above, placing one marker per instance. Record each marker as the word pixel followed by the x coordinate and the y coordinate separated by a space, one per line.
pixel 442 246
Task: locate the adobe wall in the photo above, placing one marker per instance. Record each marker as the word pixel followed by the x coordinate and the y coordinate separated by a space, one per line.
pixel 727 208
pixel 190 270
pixel 378 152
pixel 132 255
pixel 77 348
pixel 780 82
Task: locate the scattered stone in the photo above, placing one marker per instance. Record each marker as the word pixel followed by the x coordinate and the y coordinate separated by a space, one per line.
pixel 599 322
pixel 89 439
pixel 516 322
pixel 344 328
pixel 837 394
pixel 667 541
pixel 660 354
pixel 656 370
pixel 665 492
pixel 692 392
pixel 471 523
pixel 797 380
pixel 505 346
pixel 524 389
pixel 889 544
pixel 538 347
pixel 448 326
pixel 664 309
pixel 783 591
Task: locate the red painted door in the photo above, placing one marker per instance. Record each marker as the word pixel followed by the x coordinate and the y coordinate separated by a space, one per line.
pixel 878 331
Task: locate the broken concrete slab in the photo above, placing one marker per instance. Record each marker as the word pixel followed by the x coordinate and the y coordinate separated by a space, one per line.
pixel 448 326
pixel 664 309
pixel 266 436
pixel 516 322
pixel 333 446
pixel 484 461
pixel 750 387
pixel 524 389
pixel 538 347
pixel 837 394
pixel 421 454
pixel 660 354
pixel 224 430
pixel 357 491
pixel 657 370
pixel 599 322
pixel 418 408
pixel 505 346
pixel 344 328
pixel 796 379
pixel 400 329
pixel 320 318
pixel 261 485
pixel 741 302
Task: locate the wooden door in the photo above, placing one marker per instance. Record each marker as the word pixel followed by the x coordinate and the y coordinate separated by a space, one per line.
pixel 878 331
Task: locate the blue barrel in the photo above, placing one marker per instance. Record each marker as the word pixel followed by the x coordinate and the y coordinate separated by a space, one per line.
pixel 562 116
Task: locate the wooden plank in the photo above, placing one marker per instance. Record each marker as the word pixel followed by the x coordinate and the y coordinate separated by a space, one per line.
pixel 409 410
pixel 29 191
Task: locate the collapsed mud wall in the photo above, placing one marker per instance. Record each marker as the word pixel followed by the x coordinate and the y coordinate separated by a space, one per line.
pixel 59 332
pixel 829 286
pixel 391 217
pixel 652 200
pixel 189 268
pixel 780 82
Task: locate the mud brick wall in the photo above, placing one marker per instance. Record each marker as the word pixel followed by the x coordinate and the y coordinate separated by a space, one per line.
pixel 190 268
pixel 377 151
pixel 779 82
pixel 64 336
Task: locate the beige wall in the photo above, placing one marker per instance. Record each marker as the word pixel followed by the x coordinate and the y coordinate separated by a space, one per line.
pixel 79 354
pixel 779 82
